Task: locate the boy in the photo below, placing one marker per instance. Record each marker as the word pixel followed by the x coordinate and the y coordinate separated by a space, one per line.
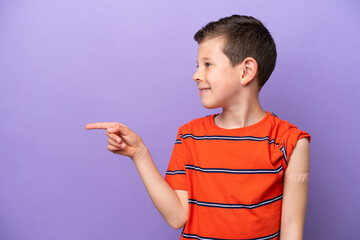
pixel 226 177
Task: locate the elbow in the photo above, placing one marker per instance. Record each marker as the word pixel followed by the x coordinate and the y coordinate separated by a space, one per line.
pixel 178 222
pixel 177 226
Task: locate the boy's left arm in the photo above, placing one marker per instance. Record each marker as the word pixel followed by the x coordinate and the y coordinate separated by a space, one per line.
pixel 295 193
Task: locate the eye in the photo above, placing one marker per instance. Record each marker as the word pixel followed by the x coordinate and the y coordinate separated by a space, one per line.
pixel 207 64
pixel 197 66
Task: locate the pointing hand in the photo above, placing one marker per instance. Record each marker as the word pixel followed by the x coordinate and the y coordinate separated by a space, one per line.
pixel 121 140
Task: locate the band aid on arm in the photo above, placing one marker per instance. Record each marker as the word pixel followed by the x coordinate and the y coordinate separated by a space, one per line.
pixel 299 177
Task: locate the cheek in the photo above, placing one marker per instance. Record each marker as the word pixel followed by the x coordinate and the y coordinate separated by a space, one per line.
pixel 222 80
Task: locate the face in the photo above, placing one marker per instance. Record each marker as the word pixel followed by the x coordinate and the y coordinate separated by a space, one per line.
pixel 218 81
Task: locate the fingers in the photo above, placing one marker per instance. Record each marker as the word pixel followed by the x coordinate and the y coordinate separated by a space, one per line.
pixel 100 125
pixel 114 137
pixel 119 128
pixel 112 127
pixel 116 132
pixel 115 144
pixel 113 149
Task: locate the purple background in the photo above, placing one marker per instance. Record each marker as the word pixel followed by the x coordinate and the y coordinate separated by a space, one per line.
pixel 67 63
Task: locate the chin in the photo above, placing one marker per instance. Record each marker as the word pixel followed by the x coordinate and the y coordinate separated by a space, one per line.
pixel 209 106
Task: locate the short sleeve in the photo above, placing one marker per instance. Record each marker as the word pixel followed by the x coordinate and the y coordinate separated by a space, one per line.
pixel 288 141
pixel 176 172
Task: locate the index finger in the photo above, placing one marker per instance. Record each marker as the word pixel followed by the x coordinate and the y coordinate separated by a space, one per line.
pixel 100 125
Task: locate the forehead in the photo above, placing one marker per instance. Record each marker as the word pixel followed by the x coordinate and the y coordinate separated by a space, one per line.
pixel 211 49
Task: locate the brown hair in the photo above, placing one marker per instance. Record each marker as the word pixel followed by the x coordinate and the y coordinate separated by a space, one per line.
pixel 245 37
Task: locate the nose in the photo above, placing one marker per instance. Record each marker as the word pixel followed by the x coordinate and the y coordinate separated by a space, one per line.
pixel 197 75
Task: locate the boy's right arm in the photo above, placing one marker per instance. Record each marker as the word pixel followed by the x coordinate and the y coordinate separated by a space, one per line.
pixel 172 204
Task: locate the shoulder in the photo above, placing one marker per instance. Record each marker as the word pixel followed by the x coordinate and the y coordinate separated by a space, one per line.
pixel 300 158
pixel 281 124
pixel 285 130
pixel 195 124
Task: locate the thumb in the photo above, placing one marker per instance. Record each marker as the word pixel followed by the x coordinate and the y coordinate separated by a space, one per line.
pixel 119 128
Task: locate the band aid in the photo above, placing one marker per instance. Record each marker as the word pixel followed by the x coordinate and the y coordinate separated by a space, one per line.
pixel 299 177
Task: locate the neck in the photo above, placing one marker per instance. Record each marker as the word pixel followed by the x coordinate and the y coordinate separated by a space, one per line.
pixel 243 113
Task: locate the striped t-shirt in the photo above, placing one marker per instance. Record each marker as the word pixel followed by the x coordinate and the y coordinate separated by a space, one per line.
pixel 234 177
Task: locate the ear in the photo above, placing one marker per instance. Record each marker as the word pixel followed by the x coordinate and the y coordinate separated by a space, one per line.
pixel 248 70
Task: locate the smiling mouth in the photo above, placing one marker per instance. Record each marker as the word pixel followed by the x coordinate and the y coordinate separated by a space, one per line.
pixel 204 89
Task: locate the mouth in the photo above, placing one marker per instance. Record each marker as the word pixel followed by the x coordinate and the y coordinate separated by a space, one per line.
pixel 204 90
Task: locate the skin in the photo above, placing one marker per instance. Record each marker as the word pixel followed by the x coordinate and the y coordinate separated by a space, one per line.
pixel 295 194
pixel 172 204
pixel 235 90
pixel 232 88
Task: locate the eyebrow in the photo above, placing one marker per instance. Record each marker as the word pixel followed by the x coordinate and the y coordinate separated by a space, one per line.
pixel 204 58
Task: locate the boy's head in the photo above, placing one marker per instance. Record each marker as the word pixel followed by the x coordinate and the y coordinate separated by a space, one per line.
pixel 244 36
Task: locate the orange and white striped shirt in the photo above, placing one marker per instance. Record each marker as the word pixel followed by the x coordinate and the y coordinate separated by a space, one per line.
pixel 234 177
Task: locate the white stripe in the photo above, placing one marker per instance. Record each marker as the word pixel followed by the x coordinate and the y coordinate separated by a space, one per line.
pixel 204 238
pixel 197 237
pixel 284 153
pixel 226 137
pixel 234 170
pixel 175 172
pixel 235 205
